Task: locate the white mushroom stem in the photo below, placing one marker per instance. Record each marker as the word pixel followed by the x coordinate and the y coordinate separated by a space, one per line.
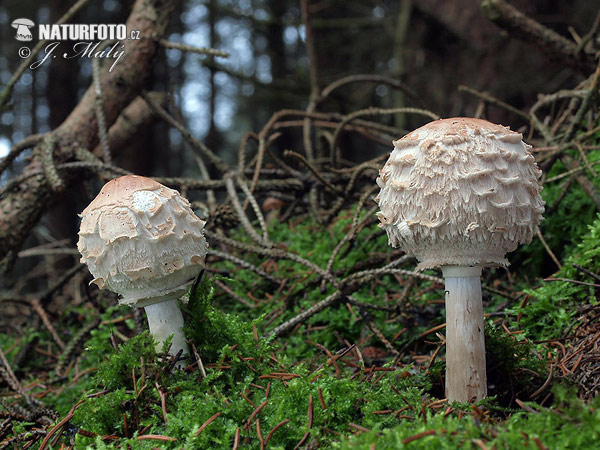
pixel 165 319
pixel 465 346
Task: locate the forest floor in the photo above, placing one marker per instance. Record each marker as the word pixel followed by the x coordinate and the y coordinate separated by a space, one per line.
pixel 365 372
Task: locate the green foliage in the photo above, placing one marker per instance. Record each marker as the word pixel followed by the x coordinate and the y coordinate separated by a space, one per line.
pixel 288 377
pixel 511 364
pixel 567 223
pixel 572 424
pixel 551 308
pixel 214 332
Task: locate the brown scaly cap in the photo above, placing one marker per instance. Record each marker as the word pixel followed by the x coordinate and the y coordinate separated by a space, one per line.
pixel 460 191
pixel 117 189
pixel 142 240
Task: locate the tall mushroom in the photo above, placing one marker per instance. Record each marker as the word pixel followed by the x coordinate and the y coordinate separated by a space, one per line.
pixel 142 240
pixel 459 194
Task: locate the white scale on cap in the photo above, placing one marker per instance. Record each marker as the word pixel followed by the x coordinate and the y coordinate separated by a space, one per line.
pixel 144 200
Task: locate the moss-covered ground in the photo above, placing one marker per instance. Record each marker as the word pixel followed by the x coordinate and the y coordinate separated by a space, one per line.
pixel 365 372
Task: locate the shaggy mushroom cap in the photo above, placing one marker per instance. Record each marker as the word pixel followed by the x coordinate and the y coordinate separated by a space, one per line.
pixel 141 240
pixel 460 192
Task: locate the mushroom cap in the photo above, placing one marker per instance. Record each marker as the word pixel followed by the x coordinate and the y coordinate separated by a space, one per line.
pixel 23 21
pixel 142 240
pixel 460 191
pixel 272 204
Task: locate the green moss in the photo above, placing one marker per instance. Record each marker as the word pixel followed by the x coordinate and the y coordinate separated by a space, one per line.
pixel 551 308
pixel 394 404
pixel 572 424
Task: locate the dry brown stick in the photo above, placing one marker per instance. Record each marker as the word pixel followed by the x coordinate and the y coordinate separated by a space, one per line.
pixel 37 306
pixel 314 78
pixel 236 439
pixel 197 145
pixel 9 377
pixel 305 315
pixel 368 78
pixel 242 300
pixel 135 117
pixel 586 184
pixel 551 98
pixel 584 158
pixel 275 428
pixel 237 206
pixel 518 24
pixel 585 105
pixel 587 272
pixel 493 101
pixel 211 200
pixel 272 252
pixel 192 49
pixel 546 383
pixel 257 211
pixel 568 280
pixel 368 320
pixel 264 133
pixel 259 434
pixel 349 236
pixel 15 182
pixel 99 108
pixel 242 150
pixel 163 402
pixel 561 196
pixel 243 263
pixel 576 169
pixel 371 112
pixel 267 184
pixel 313 170
pixel 198 359
pixel 207 423
pixel 548 249
pixel 376 132
pixel 590 34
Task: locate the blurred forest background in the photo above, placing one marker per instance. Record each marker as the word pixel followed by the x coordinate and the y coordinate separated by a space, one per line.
pixel 430 46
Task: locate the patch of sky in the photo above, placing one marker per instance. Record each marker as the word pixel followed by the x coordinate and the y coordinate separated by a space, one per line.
pixel 302 32
pixel 263 69
pixel 290 35
pixel 4 146
pixel 224 111
pixel 194 14
pixel 261 14
pixel 111 5
pixel 43 14
pixel 175 137
pixel 7 118
pixel 194 95
pixel 378 12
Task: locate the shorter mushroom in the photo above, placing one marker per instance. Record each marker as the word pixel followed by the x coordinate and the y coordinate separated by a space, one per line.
pixel 142 240
pixel 23 29
pixel 272 206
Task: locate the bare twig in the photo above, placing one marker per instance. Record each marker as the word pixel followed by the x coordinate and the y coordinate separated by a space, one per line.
pixel 192 49
pixel 493 101
pixel 102 131
pixel 197 145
